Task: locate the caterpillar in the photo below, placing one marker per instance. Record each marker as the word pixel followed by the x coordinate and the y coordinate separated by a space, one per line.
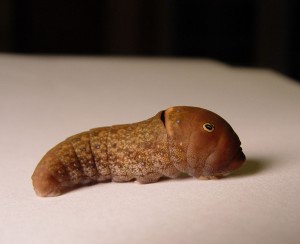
pixel 177 140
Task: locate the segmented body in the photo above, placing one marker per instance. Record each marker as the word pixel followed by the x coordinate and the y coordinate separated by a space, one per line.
pixel 119 153
pixel 180 139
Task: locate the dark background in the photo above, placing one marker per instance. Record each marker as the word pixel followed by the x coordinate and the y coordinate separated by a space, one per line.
pixel 257 33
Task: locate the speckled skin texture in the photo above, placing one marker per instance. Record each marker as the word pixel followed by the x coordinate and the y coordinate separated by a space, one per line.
pixel 171 142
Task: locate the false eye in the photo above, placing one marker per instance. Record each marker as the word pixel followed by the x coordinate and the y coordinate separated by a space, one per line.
pixel 208 127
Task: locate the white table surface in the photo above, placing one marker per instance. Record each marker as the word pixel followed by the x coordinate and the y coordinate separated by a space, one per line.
pixel 45 99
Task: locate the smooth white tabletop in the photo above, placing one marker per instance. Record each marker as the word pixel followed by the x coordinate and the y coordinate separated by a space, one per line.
pixel 45 99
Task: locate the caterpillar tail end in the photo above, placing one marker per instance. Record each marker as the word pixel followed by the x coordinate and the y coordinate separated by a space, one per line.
pixel 44 184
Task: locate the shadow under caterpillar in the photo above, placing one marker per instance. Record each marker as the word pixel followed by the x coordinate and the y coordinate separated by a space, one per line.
pixel 177 140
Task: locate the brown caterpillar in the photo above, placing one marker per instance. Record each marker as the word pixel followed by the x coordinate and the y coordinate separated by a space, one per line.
pixel 180 139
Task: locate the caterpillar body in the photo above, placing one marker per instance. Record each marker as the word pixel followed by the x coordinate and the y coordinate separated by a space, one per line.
pixel 177 140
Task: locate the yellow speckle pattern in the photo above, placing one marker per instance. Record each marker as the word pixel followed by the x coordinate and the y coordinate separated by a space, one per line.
pixel 140 151
pixel 98 141
pixel 171 142
pixel 82 148
pixel 120 153
pixel 178 140
pixel 68 158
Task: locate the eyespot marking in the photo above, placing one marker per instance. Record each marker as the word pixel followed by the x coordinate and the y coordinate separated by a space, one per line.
pixel 208 127
pixel 166 144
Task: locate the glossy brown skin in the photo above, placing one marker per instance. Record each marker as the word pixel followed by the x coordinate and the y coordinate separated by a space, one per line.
pixel 198 152
pixel 171 142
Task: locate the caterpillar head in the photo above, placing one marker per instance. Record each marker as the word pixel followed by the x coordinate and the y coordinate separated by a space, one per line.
pixel 202 143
